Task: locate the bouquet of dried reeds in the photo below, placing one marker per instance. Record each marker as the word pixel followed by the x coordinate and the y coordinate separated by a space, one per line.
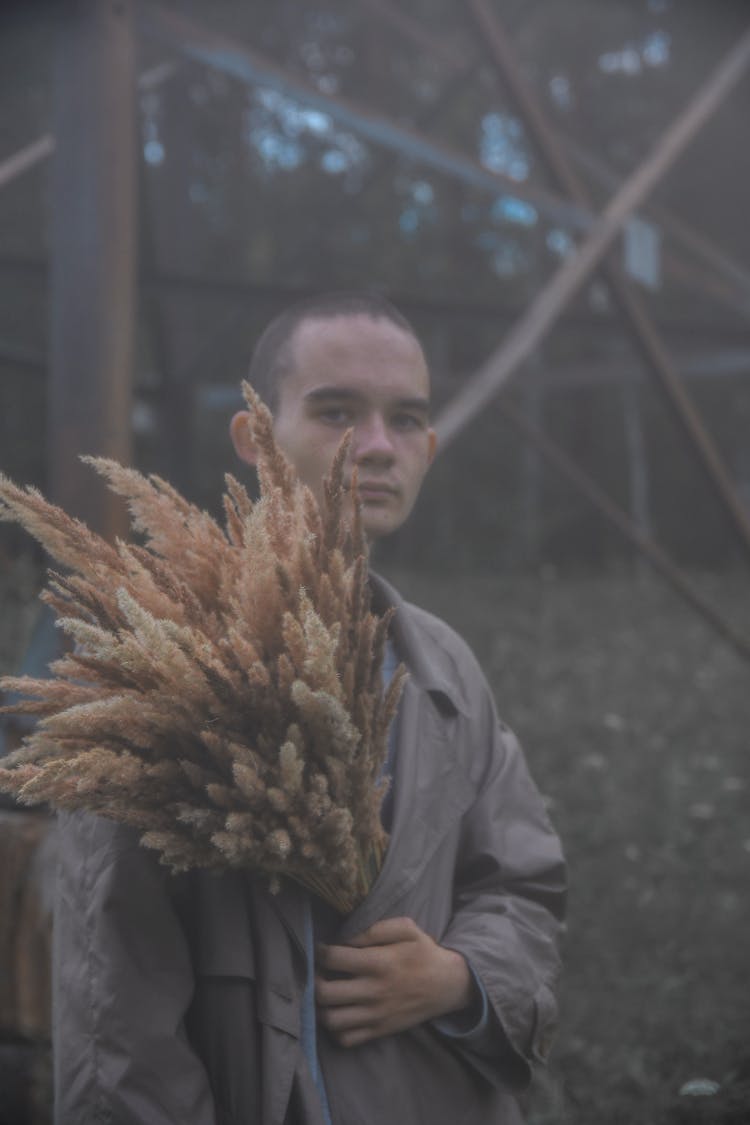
pixel 224 694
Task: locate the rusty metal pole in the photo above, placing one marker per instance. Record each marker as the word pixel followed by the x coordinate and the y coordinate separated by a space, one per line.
pixel 94 240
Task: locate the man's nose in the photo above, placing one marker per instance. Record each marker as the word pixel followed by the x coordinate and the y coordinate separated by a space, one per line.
pixel 371 440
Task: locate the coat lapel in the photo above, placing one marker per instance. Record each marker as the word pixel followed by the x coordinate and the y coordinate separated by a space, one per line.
pixel 289 903
pixel 425 774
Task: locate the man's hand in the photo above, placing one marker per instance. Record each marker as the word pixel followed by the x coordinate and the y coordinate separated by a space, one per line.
pixel 396 977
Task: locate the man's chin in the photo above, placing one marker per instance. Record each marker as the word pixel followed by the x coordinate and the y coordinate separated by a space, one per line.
pixel 377 524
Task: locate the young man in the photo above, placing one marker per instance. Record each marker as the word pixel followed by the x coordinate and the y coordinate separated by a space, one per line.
pixel 204 999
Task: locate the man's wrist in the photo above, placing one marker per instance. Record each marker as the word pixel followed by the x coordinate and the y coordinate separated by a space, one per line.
pixel 472 1018
pixel 458 993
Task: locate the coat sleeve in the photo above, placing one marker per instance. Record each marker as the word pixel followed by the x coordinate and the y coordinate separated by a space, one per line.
pixel 122 983
pixel 509 898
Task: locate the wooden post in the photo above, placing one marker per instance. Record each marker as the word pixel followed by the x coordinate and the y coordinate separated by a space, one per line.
pixel 94 240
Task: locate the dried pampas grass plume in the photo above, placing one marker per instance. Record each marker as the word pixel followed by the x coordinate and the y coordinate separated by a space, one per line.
pixel 224 694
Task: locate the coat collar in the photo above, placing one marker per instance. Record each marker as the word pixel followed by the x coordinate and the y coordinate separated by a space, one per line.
pixel 429 667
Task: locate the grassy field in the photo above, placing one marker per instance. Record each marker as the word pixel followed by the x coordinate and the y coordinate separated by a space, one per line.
pixel 635 718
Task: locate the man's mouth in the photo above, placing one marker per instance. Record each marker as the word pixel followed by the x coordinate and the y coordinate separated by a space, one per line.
pixel 374 491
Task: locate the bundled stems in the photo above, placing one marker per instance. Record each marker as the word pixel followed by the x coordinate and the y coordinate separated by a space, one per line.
pixel 224 694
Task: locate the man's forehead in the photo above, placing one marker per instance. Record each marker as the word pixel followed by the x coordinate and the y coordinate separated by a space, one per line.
pixel 355 349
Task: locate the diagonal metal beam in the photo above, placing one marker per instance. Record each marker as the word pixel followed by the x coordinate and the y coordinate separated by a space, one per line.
pixel 255 69
pixel 26 158
pixel 569 278
pixel 700 245
pixel 694 277
pixel 380 165
pixel 617 518
pixel 708 99
pixel 704 249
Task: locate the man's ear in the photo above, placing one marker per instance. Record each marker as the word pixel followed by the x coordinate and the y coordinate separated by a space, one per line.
pixel 239 431
pixel 432 446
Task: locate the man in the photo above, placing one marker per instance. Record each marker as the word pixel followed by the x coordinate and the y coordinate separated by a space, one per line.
pixel 194 999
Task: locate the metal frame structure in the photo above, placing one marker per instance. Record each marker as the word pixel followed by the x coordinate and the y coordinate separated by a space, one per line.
pixel 572 206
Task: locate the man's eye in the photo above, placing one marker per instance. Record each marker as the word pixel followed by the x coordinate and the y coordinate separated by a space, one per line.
pixel 335 415
pixel 408 422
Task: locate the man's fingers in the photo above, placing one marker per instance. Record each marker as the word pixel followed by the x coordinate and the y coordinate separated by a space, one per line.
pixel 387 932
pixel 350 1036
pixel 393 976
pixel 339 993
pixel 343 959
pixel 350 1018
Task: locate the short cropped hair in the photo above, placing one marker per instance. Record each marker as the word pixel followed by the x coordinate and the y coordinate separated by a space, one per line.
pixel 272 361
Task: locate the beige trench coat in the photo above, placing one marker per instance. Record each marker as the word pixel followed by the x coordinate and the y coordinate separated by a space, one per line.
pixel 177 999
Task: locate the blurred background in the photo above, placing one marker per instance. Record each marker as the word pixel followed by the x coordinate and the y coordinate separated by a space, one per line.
pixel 555 193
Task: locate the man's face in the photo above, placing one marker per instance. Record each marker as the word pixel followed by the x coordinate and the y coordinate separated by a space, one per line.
pixel 368 375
